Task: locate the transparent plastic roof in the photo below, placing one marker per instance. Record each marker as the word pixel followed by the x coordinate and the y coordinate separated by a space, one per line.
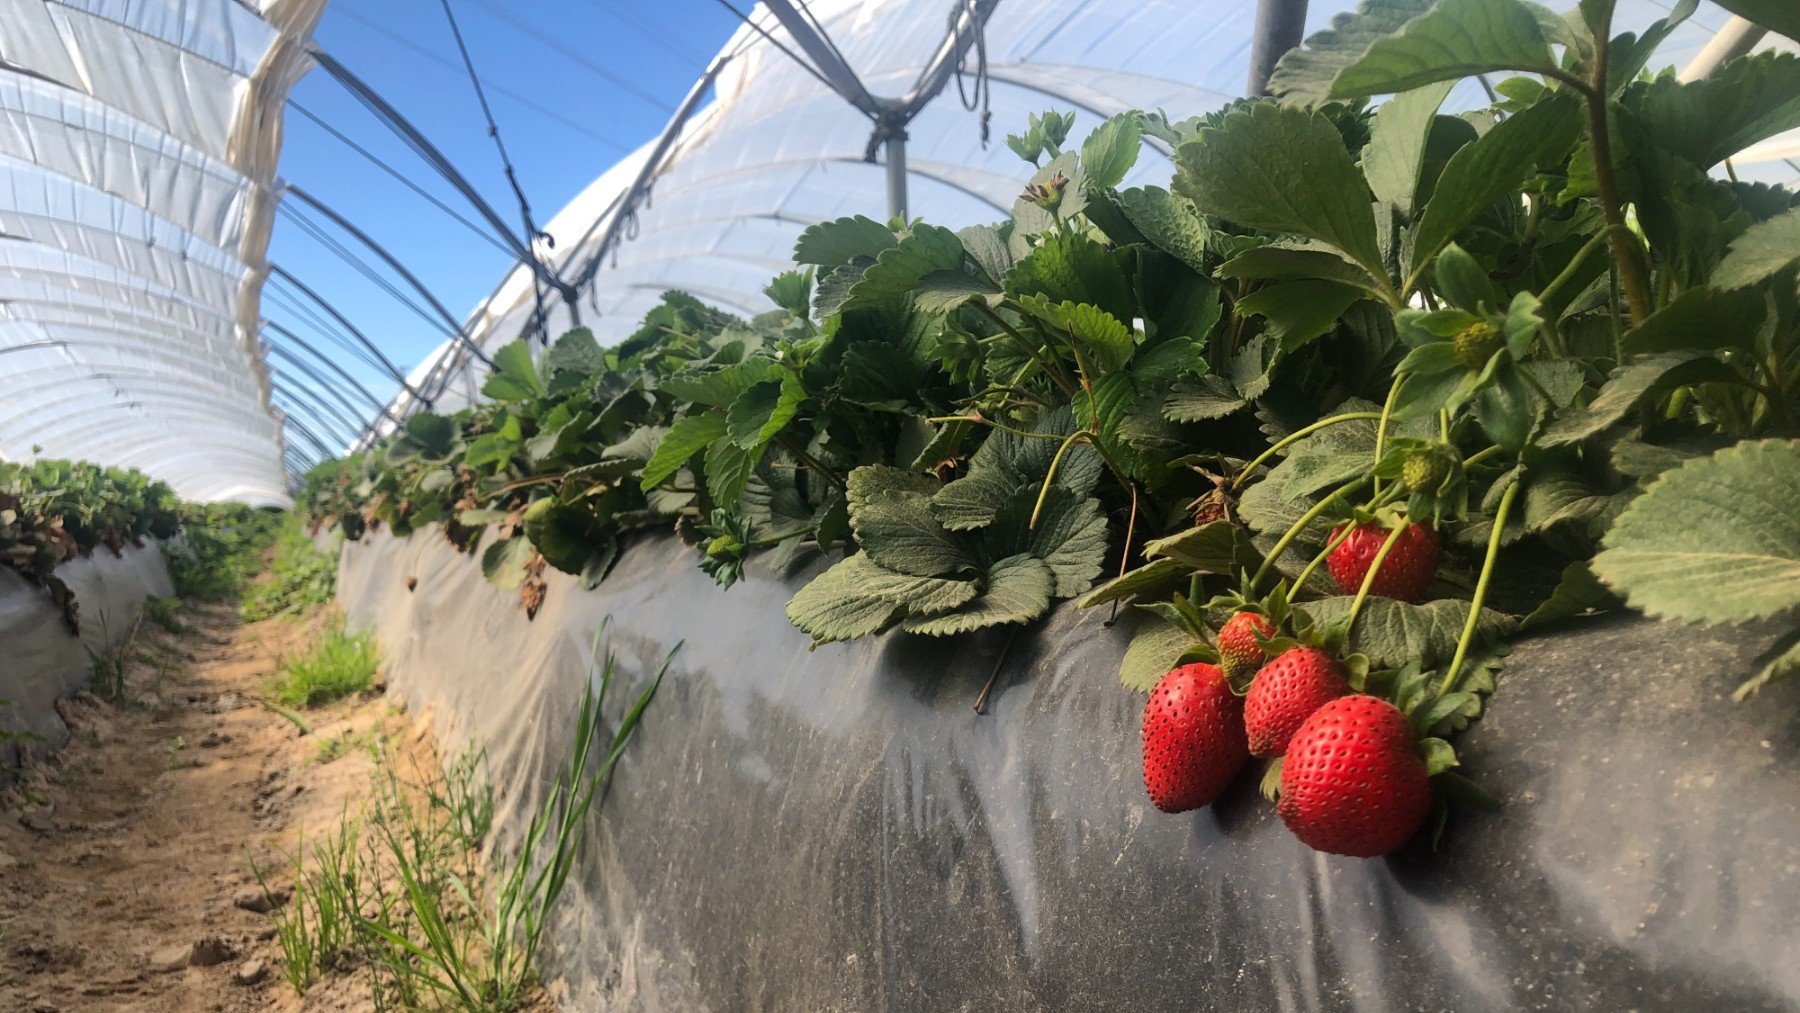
pixel 138 148
pixel 777 151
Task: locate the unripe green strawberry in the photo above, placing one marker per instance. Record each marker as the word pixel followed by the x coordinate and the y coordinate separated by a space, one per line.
pixel 724 547
pixel 1239 654
pixel 1476 344
pixel 1424 472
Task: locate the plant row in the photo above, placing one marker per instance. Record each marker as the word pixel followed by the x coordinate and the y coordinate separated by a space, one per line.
pixel 1392 381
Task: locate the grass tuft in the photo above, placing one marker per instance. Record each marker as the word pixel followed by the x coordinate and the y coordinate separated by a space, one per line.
pixel 301 578
pixel 336 666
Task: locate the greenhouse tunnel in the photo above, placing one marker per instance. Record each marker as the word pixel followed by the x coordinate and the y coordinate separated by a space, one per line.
pixel 1005 504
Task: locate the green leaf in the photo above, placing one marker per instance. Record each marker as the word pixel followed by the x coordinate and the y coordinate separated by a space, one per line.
pixel 1703 319
pixel 1155 649
pixel 1285 263
pixel 683 440
pixel 1111 150
pixel 576 352
pixel 1453 40
pixel 925 250
pixel 1201 398
pixel 1070 535
pixel 1708 120
pixel 1284 169
pixel 1071 267
pixel 1630 387
pixel 1108 342
pixel 1168 221
pixel 565 535
pixel 1763 249
pixel 1392 633
pixel 1018 591
pixel 986 245
pixel 1493 166
pixel 920 596
pixel 1396 150
pixel 1299 311
pixel 503 563
pixel 1304 74
pixel 838 243
pixel 792 291
pixel 1154 576
pixel 1716 540
pixel 1783 663
pixel 943 291
pixel 890 512
pixel 728 467
pixel 1216 547
pixel 1776 15
pixel 761 411
pixel 718 388
pixel 515 376
pixel 1505 409
pixel 489 449
pixel 1577 592
pixel 833 606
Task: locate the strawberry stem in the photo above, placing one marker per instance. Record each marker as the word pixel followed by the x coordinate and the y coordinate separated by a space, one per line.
pixel 1332 543
pixel 1387 411
pixel 1368 581
pixel 1299 434
pixel 1050 476
pixel 1300 525
pixel 1481 587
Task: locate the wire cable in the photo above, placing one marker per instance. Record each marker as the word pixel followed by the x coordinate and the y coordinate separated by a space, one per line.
pixel 773 41
pixel 573 54
pixel 650 30
pixel 485 235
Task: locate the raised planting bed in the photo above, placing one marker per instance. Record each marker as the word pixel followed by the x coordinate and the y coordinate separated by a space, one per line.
pixel 838 828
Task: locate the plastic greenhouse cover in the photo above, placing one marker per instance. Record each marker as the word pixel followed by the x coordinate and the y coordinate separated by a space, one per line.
pixel 42 662
pixel 138 145
pixel 776 152
pixel 838 829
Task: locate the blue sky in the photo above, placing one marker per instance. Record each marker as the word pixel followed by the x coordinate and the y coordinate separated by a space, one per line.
pixel 582 123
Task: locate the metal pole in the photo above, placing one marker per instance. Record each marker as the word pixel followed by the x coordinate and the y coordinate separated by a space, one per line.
pixel 1737 38
pixel 1279 27
pixel 896 173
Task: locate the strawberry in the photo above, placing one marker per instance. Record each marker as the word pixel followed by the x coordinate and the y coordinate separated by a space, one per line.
pixel 1424 472
pixel 1406 571
pixel 1193 738
pixel 1353 782
pixel 1239 653
pixel 1475 344
pixel 1285 693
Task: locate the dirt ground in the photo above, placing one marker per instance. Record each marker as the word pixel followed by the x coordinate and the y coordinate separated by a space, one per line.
pixel 125 858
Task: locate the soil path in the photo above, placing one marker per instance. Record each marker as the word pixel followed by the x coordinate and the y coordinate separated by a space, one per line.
pixel 125 859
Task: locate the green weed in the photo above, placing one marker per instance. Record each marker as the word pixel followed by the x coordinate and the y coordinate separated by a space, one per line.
pixel 220 553
pixel 166 613
pixel 337 665
pixel 301 578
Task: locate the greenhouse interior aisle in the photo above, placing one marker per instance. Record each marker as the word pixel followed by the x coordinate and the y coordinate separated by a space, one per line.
pixel 150 866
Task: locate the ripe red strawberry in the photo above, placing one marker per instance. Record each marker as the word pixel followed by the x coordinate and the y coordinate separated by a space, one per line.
pixel 1193 738
pixel 1239 653
pixel 1405 573
pixel 1285 693
pixel 1353 782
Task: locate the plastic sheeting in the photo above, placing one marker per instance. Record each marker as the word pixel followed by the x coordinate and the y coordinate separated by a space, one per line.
pixel 837 829
pixel 776 151
pixel 138 145
pixel 40 662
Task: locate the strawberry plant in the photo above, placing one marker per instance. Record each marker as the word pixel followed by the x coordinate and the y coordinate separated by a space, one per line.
pixel 1364 391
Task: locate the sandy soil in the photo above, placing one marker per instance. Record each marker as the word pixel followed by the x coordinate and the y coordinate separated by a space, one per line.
pixel 125 859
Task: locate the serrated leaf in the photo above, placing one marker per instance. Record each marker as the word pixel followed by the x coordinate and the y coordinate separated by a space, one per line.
pixel 986 245
pixel 837 243
pixel 1201 398
pixel 1716 540
pixel 1304 73
pixel 1439 756
pixel 718 388
pixel 833 606
pixel 1628 388
pixel 684 439
pixel 1168 221
pixel 503 562
pixel 1396 150
pixel 1453 40
pixel 515 376
pixel 1215 547
pixel 971 501
pixel 489 449
pixel 1393 633
pixel 1111 150
pixel 943 291
pixel 1783 663
pixel 896 528
pixel 1018 591
pixel 1108 342
pixel 1153 577
pixel 1299 311
pixel 1763 249
pixel 1074 268
pixel 1155 649
pixel 1707 120
pixel 576 352
pixel 1493 166
pixel 1703 319
pixel 1776 15
pixel 762 410
pixel 1284 169
pixel 1577 592
pixel 1070 535
pixel 897 272
pixel 728 467
pixel 1281 263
